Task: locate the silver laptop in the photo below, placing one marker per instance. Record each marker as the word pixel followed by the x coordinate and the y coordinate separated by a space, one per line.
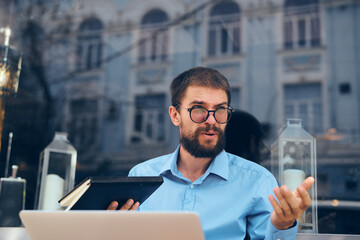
pixel 111 225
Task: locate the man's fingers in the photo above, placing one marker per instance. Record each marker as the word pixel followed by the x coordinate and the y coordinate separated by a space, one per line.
pixel 127 205
pixel 283 202
pixel 305 196
pixel 135 206
pixel 113 205
pixel 276 206
pixel 307 183
pixel 290 199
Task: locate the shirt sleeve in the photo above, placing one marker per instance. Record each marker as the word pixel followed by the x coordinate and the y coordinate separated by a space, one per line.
pixel 259 225
pixel 275 234
pixel 138 171
pixel 132 173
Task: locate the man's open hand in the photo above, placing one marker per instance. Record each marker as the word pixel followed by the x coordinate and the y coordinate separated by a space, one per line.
pixel 129 205
pixel 291 205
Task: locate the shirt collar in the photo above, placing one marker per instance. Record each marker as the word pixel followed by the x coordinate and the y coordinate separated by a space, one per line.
pixel 219 166
pixel 170 164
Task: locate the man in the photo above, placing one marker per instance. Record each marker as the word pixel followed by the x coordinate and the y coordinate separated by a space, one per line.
pixel 232 196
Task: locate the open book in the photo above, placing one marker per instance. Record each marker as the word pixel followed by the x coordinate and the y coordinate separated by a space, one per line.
pixel 96 193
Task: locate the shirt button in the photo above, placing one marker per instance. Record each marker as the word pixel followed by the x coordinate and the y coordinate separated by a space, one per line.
pixel 192 186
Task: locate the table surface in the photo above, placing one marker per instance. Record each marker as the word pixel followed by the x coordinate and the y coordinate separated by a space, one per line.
pixel 20 234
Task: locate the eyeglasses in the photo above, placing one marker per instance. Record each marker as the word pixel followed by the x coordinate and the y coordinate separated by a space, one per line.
pixel 199 114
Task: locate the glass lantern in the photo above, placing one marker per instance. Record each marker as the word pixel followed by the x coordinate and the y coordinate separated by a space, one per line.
pixel 293 160
pixel 56 174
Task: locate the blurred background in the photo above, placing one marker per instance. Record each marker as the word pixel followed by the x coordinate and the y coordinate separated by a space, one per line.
pixel 101 70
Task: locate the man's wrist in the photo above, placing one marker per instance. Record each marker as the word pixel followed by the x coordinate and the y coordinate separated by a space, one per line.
pixel 285 226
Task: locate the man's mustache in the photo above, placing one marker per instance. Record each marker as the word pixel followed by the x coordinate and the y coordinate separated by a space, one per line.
pixel 208 128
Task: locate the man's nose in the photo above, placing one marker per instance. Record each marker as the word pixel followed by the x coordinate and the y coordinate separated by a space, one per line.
pixel 211 118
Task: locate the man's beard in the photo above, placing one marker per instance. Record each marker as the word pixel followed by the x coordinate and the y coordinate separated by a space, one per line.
pixel 193 146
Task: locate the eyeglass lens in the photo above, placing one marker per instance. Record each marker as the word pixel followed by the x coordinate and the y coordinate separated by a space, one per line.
pixel 201 114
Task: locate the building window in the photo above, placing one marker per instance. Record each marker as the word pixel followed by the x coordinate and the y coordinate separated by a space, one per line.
pixel 301 26
pixel 236 98
pixel 224 29
pixel 84 123
pixel 154 39
pixel 149 119
pixel 304 101
pixel 89 45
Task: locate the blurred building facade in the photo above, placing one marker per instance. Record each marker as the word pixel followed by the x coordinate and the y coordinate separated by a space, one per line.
pixel 105 68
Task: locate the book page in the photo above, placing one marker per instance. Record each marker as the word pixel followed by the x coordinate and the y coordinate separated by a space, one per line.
pixel 78 196
pixel 75 194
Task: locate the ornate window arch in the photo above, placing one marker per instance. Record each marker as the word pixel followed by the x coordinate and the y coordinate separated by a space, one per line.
pixel 154 39
pixel 224 29
pixel 301 26
pixel 89 44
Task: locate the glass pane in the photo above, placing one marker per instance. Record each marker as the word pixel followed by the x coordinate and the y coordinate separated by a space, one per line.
pixel 138 122
pixel 304 115
pixel 285 75
pixel 161 127
pixel 236 40
pixel 315 32
pixel 288 35
pixel 164 46
pixel 149 125
pixel 317 117
pixel 79 56
pixel 289 111
pixel 235 98
pixel 99 55
pixel 154 16
pixel 302 33
pixel 89 57
pixel 153 48
pixel 225 8
pixel 224 40
pixel 212 42
pixel 142 51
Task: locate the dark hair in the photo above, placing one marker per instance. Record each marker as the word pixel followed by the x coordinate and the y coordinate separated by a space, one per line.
pixel 244 137
pixel 198 76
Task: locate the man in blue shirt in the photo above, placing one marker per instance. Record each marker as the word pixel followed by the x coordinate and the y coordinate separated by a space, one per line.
pixel 232 196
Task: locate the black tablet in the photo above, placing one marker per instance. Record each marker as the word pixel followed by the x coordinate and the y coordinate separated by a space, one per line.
pixel 96 193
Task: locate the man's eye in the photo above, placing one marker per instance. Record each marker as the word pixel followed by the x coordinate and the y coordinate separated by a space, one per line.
pixel 220 109
pixel 198 108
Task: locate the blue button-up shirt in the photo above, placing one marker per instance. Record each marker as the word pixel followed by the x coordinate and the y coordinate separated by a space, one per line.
pixel 231 197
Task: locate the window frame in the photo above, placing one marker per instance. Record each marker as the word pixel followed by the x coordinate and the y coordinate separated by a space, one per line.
pixel 216 25
pixel 292 16
pixel 154 40
pixel 89 45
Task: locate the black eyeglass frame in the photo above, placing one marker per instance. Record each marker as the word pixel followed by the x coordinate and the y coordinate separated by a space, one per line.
pixel 229 109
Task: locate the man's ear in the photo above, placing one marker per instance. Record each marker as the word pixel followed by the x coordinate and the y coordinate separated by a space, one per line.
pixel 174 115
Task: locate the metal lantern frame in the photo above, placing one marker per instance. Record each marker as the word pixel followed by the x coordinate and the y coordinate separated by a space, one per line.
pixel 59 145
